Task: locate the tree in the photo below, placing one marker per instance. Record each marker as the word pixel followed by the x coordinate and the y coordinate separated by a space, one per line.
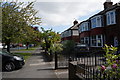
pixel 16 21
pixel 49 37
pixel 31 36
pixel 56 48
pixel 51 44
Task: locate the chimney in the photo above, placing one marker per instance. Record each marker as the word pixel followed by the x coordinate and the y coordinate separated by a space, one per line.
pixel 75 22
pixel 108 4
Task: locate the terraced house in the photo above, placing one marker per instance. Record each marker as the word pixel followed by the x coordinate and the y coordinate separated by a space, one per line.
pixel 71 33
pixel 102 28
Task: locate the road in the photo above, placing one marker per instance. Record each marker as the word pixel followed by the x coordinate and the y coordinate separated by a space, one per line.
pixel 36 67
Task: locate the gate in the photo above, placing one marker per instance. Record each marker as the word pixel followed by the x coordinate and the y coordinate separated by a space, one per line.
pixel 62 61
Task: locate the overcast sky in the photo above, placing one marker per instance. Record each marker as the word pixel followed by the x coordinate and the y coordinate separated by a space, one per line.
pixel 60 14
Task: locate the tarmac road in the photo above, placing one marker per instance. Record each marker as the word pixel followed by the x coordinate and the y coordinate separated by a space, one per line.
pixel 35 67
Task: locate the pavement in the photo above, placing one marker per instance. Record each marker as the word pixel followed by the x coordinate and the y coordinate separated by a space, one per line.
pixel 37 67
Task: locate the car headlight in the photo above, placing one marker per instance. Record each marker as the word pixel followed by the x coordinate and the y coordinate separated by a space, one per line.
pixel 17 58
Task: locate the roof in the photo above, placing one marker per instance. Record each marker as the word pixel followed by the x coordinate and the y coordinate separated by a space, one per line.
pixel 117 5
pixel 74 27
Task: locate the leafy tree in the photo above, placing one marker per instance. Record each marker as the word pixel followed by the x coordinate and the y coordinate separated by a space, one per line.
pixel 50 41
pixel 16 21
pixel 49 37
pixel 56 48
pixel 31 36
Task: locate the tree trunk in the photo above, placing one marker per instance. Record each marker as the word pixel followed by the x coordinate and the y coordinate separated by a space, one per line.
pixel 27 45
pixel 8 45
pixel 56 60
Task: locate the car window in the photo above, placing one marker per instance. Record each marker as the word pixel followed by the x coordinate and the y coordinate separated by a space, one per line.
pixel 4 52
pixel 0 52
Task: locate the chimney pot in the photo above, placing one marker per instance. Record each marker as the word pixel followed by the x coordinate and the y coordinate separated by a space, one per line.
pixel 108 4
pixel 75 22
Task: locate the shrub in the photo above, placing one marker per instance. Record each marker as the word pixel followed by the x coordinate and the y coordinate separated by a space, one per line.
pixel 110 70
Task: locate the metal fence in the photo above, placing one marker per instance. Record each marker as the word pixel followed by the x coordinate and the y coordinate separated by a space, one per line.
pixel 62 61
pixel 87 64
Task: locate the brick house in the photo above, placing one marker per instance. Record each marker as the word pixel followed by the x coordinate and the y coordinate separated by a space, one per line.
pixel 102 28
pixel 71 33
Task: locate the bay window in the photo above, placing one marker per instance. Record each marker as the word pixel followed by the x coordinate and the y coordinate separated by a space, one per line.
pixel 111 18
pixel 96 21
pixel 83 27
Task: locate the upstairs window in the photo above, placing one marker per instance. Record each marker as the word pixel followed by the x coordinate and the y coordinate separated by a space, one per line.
pixel 96 21
pixel 84 27
pixel 62 35
pixel 111 18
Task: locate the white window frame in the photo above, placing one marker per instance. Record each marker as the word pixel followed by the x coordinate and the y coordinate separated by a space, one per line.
pixel 62 35
pixel 111 19
pixel 96 39
pixel 87 40
pixel 91 39
pixel 75 33
pixel 84 40
pixel 79 29
pixel 69 33
pixel 95 23
pixel 83 27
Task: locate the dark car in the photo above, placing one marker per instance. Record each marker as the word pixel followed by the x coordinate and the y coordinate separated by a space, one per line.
pixel 82 47
pixel 10 61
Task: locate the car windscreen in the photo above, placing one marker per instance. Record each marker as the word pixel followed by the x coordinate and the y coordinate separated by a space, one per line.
pixel 4 52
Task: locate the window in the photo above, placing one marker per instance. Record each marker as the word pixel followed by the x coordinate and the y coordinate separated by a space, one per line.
pixel 93 22
pixel 111 18
pixel 84 40
pixel 83 27
pixel 93 41
pixel 75 33
pixel 97 41
pixel 62 35
pixel 96 21
pixel 67 33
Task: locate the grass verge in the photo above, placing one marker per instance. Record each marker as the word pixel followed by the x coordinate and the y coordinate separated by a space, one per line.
pixel 25 55
pixel 29 49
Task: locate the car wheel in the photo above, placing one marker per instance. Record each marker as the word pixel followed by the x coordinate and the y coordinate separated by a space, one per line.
pixel 9 66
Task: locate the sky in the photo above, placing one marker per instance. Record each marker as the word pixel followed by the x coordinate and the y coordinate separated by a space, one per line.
pixel 60 14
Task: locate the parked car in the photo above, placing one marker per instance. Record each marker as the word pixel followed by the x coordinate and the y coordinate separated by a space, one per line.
pixel 10 61
pixel 82 47
pixel 1 46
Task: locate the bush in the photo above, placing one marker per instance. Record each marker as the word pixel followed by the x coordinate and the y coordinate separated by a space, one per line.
pixel 111 70
pixel 68 47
